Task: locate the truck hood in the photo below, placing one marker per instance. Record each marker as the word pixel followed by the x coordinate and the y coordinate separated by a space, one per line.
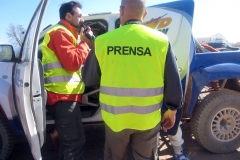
pixel 216 58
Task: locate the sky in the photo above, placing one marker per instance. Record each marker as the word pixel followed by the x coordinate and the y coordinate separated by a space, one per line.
pixel 210 16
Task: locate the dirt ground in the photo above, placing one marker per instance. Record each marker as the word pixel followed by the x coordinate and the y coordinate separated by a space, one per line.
pixel 193 149
pixel 95 142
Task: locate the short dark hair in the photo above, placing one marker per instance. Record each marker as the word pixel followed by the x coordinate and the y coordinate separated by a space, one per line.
pixel 68 7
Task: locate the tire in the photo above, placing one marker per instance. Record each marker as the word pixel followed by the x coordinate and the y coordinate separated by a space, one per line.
pixel 215 121
pixel 7 138
pixel 233 84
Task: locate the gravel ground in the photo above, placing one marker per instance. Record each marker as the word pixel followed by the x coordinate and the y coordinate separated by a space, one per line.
pixel 95 143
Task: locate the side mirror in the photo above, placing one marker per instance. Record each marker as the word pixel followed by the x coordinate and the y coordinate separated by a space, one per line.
pixel 6 53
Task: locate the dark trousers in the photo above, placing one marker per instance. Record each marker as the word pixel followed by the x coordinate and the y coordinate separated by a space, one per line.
pixel 144 144
pixel 68 121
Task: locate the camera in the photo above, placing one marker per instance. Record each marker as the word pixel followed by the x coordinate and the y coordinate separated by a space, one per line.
pixel 90 37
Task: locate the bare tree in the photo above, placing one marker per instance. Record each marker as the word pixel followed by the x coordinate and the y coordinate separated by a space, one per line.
pixel 16 34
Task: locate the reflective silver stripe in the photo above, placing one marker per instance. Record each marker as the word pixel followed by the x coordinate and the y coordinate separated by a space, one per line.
pixel 62 79
pixel 130 109
pixel 53 65
pixel 138 92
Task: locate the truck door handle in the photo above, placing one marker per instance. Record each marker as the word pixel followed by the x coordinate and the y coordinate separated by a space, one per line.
pixel 179 69
pixel 20 83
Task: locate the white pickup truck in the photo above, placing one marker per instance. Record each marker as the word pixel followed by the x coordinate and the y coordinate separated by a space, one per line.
pixel 215 121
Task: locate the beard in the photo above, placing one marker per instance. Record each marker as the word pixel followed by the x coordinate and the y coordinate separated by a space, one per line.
pixel 74 24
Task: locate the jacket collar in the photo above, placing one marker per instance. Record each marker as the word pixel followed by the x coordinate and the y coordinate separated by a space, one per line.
pixel 72 29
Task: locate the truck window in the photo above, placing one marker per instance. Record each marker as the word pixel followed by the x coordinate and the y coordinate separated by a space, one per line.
pixel 117 23
pixel 98 26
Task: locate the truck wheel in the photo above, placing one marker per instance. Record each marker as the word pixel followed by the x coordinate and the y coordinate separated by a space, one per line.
pixel 233 84
pixel 6 138
pixel 215 121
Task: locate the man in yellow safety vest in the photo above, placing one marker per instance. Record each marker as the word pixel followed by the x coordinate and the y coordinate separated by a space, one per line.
pixel 136 69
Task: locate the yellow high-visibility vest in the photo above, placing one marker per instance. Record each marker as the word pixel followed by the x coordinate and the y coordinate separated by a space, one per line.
pixel 57 79
pixel 132 61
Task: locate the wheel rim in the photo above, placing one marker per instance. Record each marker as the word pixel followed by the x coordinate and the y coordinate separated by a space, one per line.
pixel 225 125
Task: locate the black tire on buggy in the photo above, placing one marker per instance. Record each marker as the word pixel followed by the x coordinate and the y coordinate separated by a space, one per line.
pixel 215 121
pixel 7 138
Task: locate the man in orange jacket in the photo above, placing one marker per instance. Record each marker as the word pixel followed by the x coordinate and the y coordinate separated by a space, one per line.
pixel 62 59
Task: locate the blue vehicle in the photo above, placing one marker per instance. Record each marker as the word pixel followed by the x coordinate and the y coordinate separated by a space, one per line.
pixel 212 110
pixel 222 45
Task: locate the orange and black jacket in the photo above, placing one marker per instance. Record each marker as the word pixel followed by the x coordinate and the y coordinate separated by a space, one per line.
pixel 70 57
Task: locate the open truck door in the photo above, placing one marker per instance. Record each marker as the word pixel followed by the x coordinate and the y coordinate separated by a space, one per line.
pixel 175 20
pixel 28 86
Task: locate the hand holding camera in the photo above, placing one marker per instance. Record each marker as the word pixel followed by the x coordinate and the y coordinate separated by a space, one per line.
pixel 87 32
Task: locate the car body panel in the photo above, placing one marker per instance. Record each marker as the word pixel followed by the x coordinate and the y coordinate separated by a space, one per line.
pixel 209 67
pixel 6 94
